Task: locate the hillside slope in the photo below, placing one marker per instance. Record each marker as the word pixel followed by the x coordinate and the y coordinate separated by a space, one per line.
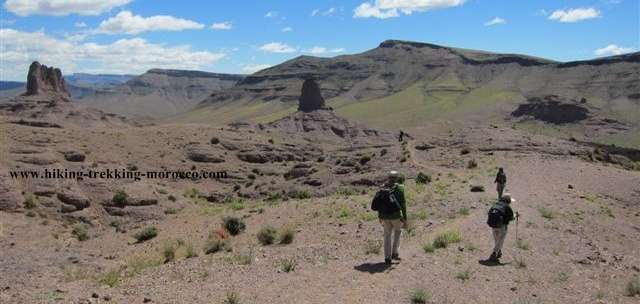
pixel 407 84
pixel 159 93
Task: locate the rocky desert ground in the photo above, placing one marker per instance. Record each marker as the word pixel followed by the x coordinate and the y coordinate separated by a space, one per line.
pixel 287 218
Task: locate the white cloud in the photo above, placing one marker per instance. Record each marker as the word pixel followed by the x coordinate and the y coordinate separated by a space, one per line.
pixel 222 25
pixel 329 12
pixel 126 22
pixel 287 29
pixel 80 24
pixel 574 14
pixel 277 47
pixel 271 14
pixel 131 56
pixel 383 9
pixel 495 21
pixel 318 50
pixel 254 68
pixel 62 7
pixel 613 49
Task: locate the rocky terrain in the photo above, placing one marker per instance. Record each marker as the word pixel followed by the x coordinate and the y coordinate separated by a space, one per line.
pixel 298 189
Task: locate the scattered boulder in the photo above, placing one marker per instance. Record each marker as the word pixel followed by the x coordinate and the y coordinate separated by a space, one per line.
pixel 75 199
pixel 477 188
pixel 203 155
pixel 73 156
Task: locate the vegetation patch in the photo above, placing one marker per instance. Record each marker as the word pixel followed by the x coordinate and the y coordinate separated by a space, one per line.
pixel 146 234
pixel 234 225
pixel 419 296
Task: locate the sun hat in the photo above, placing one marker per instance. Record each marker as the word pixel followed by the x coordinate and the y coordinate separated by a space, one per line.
pixel 507 198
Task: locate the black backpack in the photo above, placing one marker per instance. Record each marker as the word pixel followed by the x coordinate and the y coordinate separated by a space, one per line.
pixel 497 215
pixel 385 202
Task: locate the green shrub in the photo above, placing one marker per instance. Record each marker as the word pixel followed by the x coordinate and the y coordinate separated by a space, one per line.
pixel 463 211
pixel 169 252
pixel 111 278
pixel 214 244
pixel 29 202
pixel 522 244
pixel 80 232
pixel 171 197
pixel 463 275
pixel 547 213
pixel 267 235
pixel 170 211
pixel 423 178
pixel 190 251
pixel 287 235
pixel 300 194
pixel 448 237
pixel 288 265
pixel 232 297
pixel 428 248
pixel 520 263
pixel 146 234
pixel 120 198
pixel 419 296
pixel 633 287
pixel 234 225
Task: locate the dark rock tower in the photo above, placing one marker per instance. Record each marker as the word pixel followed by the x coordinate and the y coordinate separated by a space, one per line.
pixel 310 98
pixel 45 80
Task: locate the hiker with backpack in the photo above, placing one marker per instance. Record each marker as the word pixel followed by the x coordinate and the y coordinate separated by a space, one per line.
pixel 498 219
pixel 501 181
pixel 392 213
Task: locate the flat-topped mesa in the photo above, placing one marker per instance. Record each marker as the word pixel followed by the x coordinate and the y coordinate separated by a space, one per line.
pixel 310 98
pixel 46 80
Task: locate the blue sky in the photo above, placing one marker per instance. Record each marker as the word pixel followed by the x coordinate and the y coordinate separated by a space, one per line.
pixel 131 36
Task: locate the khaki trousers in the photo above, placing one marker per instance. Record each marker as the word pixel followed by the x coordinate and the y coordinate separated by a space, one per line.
pixel 391 228
pixel 499 234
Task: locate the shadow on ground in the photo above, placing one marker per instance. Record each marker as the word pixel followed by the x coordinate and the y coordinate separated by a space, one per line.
pixel 372 267
pixel 490 263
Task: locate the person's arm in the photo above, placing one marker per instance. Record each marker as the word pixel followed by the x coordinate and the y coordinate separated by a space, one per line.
pixel 497 176
pixel 402 201
pixel 509 214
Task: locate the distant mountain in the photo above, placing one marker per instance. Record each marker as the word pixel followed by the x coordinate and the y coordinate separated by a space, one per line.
pixel 159 93
pixel 408 84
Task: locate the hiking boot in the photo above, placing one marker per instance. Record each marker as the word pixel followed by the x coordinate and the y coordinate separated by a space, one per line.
pixel 387 261
pixel 499 255
pixel 494 257
pixel 396 257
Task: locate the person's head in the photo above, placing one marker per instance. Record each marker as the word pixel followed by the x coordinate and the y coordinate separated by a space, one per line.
pixel 500 170
pixel 507 198
pixel 394 177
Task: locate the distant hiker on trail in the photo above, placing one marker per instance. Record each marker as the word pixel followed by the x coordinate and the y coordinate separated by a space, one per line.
pixel 392 212
pixel 402 135
pixel 498 219
pixel 501 181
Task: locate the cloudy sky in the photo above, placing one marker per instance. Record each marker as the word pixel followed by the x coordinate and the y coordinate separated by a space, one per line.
pixel 242 36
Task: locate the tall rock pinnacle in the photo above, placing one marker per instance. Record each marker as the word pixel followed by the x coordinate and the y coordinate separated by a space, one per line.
pixel 310 98
pixel 45 80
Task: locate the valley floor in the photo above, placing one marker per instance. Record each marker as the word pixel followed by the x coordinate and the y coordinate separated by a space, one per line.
pixel 579 244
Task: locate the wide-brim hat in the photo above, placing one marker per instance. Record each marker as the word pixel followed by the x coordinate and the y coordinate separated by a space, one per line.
pixel 507 198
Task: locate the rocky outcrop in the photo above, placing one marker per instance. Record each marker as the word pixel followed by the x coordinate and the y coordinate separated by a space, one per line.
pixel 46 80
pixel 310 99
pixel 552 109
